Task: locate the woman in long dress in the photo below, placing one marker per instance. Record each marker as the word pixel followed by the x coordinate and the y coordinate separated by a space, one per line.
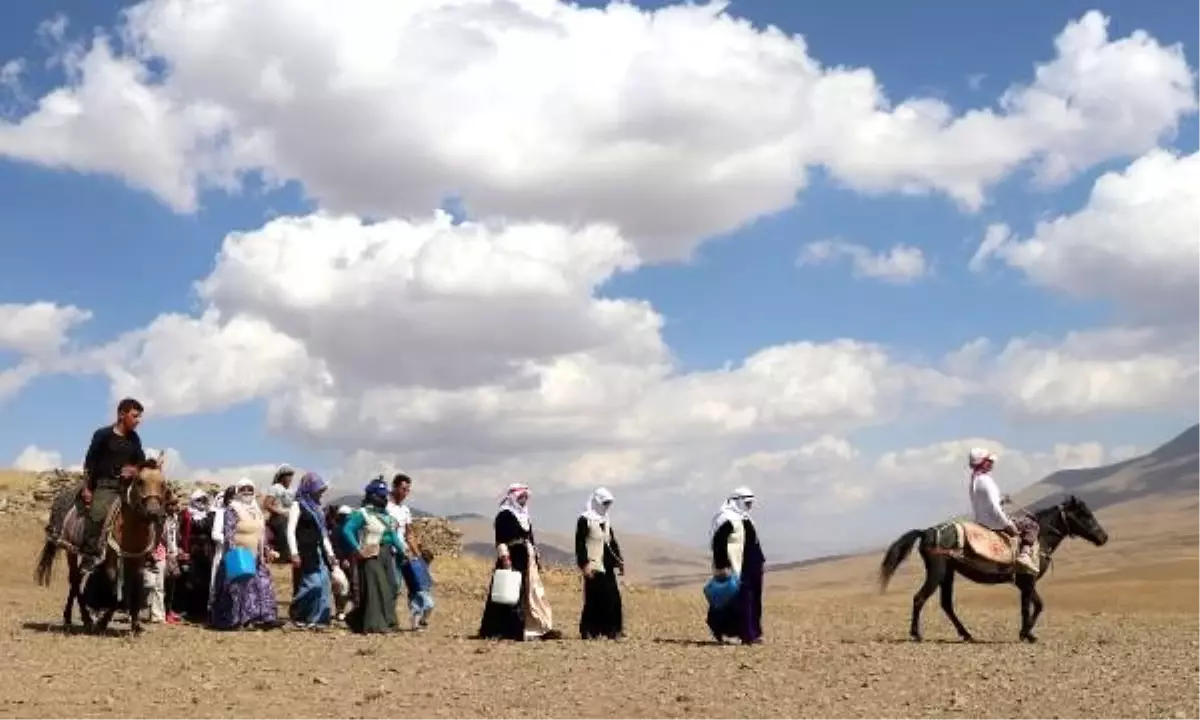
pixel 736 552
pixel 196 557
pixel 311 555
pixel 368 533
pixel 248 601
pixel 598 556
pixel 530 618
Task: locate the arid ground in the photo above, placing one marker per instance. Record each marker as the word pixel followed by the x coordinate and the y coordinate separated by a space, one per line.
pixel 1118 639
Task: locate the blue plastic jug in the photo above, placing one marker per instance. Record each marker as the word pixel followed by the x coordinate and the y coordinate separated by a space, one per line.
pixel 239 563
pixel 720 591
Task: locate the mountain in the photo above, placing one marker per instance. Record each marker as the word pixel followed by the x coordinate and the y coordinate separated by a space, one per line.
pixel 1165 472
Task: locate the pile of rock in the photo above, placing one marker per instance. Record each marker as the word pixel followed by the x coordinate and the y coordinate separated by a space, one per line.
pixel 439 535
pixel 34 497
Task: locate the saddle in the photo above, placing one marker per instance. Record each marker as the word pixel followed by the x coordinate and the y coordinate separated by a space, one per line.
pixel 70 537
pixel 990 547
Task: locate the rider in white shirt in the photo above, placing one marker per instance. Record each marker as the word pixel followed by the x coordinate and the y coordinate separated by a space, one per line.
pixel 987 506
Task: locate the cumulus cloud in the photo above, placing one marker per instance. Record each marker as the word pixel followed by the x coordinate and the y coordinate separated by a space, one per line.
pixel 900 264
pixel 1136 244
pixel 462 343
pixel 35 459
pixel 543 109
pixel 38 329
pixel 36 333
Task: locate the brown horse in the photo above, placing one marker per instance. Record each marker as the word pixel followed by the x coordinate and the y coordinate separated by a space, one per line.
pixel 131 534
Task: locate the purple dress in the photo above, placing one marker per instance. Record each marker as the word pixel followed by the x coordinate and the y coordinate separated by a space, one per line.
pixel 248 601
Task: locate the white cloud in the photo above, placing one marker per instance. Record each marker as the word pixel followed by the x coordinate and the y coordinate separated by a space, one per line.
pixel 900 264
pixel 36 459
pixel 463 343
pixel 1088 373
pixel 38 329
pixel 36 333
pixel 542 109
pixel 1136 242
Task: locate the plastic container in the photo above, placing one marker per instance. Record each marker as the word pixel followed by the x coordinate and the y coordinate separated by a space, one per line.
pixel 417 575
pixel 239 564
pixel 720 591
pixel 506 587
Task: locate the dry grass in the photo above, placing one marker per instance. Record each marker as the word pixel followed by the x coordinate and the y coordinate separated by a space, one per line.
pixel 1115 643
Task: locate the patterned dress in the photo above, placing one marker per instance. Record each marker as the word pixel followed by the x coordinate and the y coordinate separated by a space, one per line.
pixel 247 601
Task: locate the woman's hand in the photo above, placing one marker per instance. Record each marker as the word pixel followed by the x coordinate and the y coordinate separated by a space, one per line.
pixel 296 562
pixel 506 562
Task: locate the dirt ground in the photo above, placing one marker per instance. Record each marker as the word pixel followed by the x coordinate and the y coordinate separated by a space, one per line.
pixel 834 652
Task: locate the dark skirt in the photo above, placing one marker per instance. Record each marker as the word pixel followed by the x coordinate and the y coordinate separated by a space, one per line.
pixel 602 614
pixel 375 597
pixel 192 598
pixel 505 622
pixel 742 617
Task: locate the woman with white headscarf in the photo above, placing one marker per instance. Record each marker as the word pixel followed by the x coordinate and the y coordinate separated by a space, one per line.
pixel 598 556
pixel 530 618
pixel 247 601
pixel 736 553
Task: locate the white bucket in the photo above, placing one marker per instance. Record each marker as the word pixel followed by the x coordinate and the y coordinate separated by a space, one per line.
pixel 506 587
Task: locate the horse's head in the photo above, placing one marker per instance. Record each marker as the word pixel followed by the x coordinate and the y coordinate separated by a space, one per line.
pixel 1081 522
pixel 149 491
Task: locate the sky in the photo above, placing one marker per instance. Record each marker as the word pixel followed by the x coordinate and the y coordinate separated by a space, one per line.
pixel 667 249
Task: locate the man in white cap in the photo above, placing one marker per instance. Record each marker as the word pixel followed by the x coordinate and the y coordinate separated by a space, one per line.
pixel 987 505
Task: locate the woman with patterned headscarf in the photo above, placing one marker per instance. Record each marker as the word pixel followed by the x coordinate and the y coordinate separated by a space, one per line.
pixel 366 533
pixel 311 555
pixel 530 618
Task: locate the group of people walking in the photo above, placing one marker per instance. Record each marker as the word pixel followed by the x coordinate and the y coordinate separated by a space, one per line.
pixel 212 565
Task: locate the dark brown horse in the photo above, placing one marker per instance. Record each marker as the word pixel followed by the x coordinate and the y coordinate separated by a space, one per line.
pixel 944 558
pixel 133 532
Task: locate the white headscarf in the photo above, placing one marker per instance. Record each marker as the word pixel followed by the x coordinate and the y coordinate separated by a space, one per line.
pixel 736 507
pixel 510 503
pixel 597 507
pixel 252 503
pixel 198 505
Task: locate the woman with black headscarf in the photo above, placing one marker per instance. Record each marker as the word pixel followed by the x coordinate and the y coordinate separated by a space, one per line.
pixel 366 533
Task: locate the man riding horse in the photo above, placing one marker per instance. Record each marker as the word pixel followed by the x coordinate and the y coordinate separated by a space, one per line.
pixel 987 505
pixel 112 461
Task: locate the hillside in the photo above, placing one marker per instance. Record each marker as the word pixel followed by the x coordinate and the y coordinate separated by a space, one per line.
pixel 1165 472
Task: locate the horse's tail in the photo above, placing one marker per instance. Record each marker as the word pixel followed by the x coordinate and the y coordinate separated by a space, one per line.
pixel 45 565
pixel 895 555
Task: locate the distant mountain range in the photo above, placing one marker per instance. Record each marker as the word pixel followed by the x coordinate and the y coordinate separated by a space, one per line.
pixel 1168 470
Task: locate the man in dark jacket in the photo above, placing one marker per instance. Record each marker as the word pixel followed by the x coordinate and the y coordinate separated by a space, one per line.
pixel 112 459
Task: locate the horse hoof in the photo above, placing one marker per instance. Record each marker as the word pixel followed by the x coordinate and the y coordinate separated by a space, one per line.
pixel 915 637
pixel 1029 638
pixel 968 638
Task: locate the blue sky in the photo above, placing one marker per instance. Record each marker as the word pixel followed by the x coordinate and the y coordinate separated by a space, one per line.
pixel 90 240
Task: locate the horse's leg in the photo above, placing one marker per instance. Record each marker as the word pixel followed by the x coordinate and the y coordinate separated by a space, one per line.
pixel 133 595
pixel 110 574
pixel 72 590
pixel 935 569
pixel 948 606
pixel 1031 607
